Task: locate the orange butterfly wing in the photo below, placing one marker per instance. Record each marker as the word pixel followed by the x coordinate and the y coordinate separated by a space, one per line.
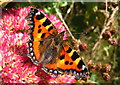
pixel 46 46
pixel 69 62
pixel 41 29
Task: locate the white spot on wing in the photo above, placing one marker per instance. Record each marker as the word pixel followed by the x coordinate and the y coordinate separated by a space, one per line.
pixel 74 72
pixel 30 15
pixel 33 57
pixel 31 26
pixel 31 54
pixel 36 61
pixel 30 44
pixel 38 13
pixel 31 49
pixel 30 18
pixel 71 71
pixel 55 72
pixel 50 70
pixel 45 68
pixel 77 73
pixel 83 67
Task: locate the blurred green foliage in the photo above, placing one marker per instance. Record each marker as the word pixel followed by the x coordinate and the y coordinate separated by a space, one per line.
pixel 80 19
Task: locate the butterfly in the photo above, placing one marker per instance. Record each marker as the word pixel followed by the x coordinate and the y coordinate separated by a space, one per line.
pixel 47 46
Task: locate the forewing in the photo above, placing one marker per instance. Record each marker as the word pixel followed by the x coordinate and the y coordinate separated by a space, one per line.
pixel 41 31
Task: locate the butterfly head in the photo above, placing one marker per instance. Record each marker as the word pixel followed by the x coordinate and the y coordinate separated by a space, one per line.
pixel 62 34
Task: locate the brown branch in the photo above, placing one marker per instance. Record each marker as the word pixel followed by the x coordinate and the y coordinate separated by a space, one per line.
pixel 67 28
pixel 105 27
pixel 69 10
pixel 106 7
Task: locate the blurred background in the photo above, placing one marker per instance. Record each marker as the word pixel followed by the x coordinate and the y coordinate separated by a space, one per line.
pixel 95 33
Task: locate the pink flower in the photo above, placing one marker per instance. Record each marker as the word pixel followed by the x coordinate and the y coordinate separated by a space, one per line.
pixel 15 67
pixel 58 24
pixel 15 19
pixel 63 79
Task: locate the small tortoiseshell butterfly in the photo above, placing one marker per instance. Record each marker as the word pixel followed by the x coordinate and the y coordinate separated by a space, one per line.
pixel 46 46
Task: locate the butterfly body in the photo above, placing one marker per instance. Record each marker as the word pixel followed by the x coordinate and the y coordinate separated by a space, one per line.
pixel 46 46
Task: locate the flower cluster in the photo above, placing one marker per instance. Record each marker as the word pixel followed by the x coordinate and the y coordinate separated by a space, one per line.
pixel 63 79
pixel 15 67
pixel 14 19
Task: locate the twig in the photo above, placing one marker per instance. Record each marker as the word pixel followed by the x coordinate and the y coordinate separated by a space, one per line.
pixel 67 28
pixel 106 3
pixel 106 26
pixel 87 30
pixel 69 10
